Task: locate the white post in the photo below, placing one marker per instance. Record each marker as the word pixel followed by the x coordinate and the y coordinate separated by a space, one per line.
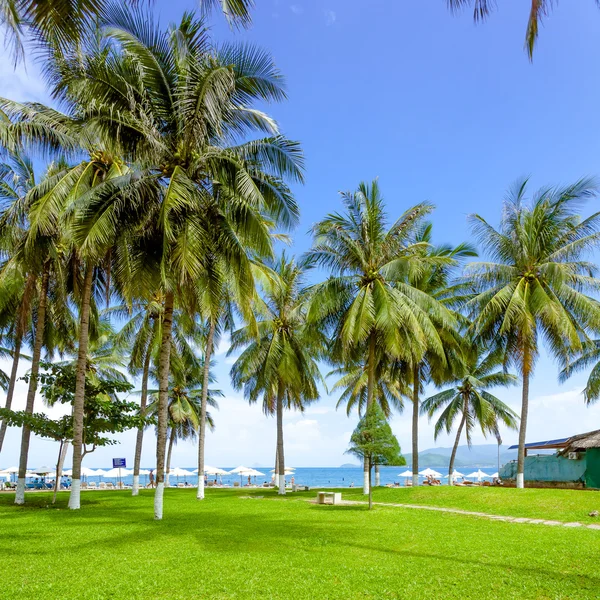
pixel 158 501
pixel 136 485
pixel 282 484
pixel 200 491
pixel 20 495
pixel 75 495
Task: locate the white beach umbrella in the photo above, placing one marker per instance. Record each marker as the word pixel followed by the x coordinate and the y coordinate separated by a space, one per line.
pixel 239 469
pixel 11 470
pixel 144 472
pixel 213 470
pixel 178 472
pixel 88 472
pixel 254 473
pixel 479 475
pixel 455 474
pixel 288 470
pixel 429 472
pixel 42 470
pixel 5 474
pixel 495 475
pixel 406 473
pixel 113 473
pixel 100 473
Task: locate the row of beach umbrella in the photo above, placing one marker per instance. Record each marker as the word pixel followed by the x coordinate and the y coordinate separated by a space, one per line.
pixel 479 474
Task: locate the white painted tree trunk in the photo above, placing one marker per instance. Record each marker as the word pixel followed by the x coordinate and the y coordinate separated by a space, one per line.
pixel 200 491
pixel 75 496
pixel 20 495
pixel 158 501
pixel 282 484
pixel 415 479
pixel 135 490
pixel 520 480
pixel 450 479
pixel 366 485
pixel 377 476
pixel 167 479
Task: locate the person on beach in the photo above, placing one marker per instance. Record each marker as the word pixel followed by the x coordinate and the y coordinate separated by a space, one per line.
pixel 151 478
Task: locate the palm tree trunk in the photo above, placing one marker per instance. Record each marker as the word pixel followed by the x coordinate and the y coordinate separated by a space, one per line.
pixel 280 457
pixel 276 462
pixel 163 404
pixel 370 398
pixel 140 433
pixel 523 426
pixel 455 447
pixel 170 452
pixel 415 426
pixel 11 384
pixel 79 398
pixel 377 476
pixel 35 368
pixel 370 490
pixel 202 428
pixel 62 453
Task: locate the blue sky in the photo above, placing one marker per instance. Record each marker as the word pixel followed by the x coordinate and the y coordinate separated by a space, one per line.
pixel 440 110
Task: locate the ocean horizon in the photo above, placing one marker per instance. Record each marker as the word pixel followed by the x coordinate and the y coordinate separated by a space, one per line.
pixel 338 477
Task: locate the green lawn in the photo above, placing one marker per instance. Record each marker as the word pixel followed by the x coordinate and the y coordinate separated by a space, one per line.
pixel 560 505
pixel 230 546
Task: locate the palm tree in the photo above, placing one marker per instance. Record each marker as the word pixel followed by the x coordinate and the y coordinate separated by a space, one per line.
pixel 536 283
pixel 17 177
pixel 433 278
pixel 368 303
pixel 280 363
pixel 469 400
pixel 482 8
pixel 588 356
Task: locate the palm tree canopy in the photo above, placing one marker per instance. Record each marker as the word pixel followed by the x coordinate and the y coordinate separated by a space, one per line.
pixel 285 350
pixel 369 291
pixel 538 280
pixel 469 397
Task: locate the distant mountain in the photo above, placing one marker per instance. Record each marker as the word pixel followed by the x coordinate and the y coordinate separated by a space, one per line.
pixel 349 466
pixel 483 455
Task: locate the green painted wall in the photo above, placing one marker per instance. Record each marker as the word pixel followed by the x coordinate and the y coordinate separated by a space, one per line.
pixel 592 473
pixel 549 468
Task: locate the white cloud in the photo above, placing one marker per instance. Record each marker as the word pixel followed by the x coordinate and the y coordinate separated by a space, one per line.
pixel 330 17
pixel 296 9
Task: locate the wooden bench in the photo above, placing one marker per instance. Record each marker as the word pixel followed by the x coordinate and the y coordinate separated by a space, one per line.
pixel 329 498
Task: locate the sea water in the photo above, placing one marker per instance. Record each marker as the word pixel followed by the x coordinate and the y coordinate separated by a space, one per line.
pixel 337 477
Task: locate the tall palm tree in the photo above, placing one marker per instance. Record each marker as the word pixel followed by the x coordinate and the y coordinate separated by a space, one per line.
pixel 469 400
pixel 368 302
pixel 537 281
pixel 433 278
pixel 539 9
pixel 280 363
pixel 17 178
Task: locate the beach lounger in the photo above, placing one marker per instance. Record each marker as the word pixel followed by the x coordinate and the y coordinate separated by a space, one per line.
pixel 110 486
pixel 102 485
pixel 84 485
pixel 181 485
pixel 92 485
pixel 236 484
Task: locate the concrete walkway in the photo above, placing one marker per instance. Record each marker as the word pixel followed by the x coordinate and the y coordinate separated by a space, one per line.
pixel 470 513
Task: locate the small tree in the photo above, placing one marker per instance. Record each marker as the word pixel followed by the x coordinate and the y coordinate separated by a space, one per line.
pixel 374 441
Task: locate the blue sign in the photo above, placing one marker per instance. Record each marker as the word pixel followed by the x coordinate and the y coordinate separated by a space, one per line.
pixel 119 463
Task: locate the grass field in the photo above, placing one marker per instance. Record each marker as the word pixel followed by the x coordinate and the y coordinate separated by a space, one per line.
pixel 236 544
pixel 561 505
